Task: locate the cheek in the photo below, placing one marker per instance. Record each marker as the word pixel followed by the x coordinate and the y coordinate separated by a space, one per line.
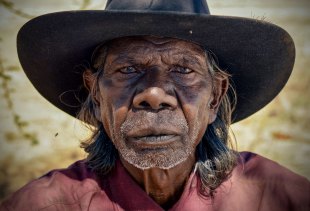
pixel 194 102
pixel 114 103
pixel 117 95
pixel 197 117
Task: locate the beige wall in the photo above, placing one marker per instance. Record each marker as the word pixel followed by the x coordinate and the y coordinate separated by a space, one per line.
pixel 36 137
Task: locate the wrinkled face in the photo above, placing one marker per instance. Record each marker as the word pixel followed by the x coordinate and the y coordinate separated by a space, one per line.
pixel 153 99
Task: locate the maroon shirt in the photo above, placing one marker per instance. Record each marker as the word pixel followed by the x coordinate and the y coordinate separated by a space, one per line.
pixel 256 184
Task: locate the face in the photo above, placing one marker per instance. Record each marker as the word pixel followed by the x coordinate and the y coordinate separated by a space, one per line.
pixel 153 98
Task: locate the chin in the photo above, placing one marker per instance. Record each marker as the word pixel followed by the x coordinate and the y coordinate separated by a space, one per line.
pixel 162 158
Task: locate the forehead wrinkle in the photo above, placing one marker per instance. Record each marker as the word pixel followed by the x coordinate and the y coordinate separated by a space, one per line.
pixel 193 53
pixel 132 57
pixel 145 54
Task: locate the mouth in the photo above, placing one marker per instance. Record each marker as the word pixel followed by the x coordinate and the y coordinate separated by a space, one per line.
pixel 153 138
pixel 162 139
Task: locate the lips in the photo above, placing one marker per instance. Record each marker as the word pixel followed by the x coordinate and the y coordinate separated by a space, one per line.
pixel 155 138
pixel 148 130
pixel 152 137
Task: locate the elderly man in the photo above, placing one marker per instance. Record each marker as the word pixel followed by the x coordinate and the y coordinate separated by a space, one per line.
pixel 160 106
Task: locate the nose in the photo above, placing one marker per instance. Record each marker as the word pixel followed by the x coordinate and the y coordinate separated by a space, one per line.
pixel 154 98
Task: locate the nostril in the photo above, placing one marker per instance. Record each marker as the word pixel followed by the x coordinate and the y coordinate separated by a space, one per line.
pixel 165 105
pixel 145 104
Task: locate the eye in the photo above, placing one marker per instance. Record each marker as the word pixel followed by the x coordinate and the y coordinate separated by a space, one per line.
pixel 128 70
pixel 182 70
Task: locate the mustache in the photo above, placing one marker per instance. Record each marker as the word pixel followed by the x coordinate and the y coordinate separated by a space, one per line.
pixel 162 120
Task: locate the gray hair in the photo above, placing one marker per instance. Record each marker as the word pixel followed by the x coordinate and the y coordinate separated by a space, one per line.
pixel 215 155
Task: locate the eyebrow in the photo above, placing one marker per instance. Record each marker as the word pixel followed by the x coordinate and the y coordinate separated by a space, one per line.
pixel 185 59
pixel 192 60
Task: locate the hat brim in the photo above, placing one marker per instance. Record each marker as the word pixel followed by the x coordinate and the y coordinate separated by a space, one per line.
pixel 53 49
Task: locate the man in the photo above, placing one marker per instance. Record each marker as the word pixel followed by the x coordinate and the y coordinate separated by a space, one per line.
pixel 160 107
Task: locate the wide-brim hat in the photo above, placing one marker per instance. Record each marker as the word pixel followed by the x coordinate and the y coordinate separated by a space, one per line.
pixel 54 48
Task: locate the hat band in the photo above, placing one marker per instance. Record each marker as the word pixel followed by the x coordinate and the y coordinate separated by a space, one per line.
pixel 186 6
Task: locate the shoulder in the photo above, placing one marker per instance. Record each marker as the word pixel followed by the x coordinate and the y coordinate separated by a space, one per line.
pixel 277 183
pixel 257 166
pixel 58 187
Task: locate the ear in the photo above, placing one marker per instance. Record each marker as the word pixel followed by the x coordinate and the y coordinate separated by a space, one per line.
pixel 89 80
pixel 220 87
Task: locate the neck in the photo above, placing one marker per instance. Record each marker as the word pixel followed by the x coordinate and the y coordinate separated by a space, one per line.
pixel 164 186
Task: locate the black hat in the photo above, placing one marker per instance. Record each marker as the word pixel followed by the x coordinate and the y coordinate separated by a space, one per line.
pixel 52 47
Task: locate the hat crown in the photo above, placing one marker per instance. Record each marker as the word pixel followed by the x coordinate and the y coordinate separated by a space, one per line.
pixel 187 6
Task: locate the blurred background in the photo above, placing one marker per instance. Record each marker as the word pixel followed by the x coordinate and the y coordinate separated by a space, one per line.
pixel 36 137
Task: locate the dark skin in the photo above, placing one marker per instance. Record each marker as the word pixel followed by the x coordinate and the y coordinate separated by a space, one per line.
pixel 155 100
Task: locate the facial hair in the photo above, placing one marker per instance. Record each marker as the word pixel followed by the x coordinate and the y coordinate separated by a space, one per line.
pixel 167 158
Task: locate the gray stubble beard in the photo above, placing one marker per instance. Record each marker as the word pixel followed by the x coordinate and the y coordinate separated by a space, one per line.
pixel 163 160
